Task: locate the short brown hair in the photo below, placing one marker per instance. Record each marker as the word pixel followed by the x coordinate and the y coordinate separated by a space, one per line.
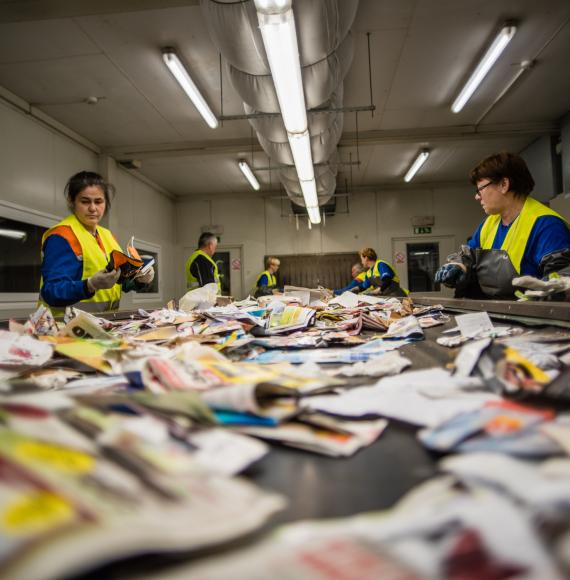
pixel 369 253
pixel 270 260
pixel 358 266
pixel 505 165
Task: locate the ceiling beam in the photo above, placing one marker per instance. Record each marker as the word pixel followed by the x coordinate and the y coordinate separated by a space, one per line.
pixel 449 134
pixel 355 190
pixel 32 10
pixel 426 136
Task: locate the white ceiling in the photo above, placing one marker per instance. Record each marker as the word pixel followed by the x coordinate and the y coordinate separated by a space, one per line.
pixel 56 53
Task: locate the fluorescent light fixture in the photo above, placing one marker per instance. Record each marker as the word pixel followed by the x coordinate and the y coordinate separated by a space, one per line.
pixel 246 170
pixel 181 75
pixel 419 161
pixel 302 156
pixel 13 234
pixel 309 189
pixel 273 6
pixel 277 25
pixel 484 66
pixel 279 34
pixel 314 215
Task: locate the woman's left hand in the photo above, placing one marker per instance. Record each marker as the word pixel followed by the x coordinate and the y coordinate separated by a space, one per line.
pixel 146 278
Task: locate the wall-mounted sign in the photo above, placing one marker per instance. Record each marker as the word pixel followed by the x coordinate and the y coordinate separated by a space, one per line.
pixel 236 264
pixel 400 258
pixel 423 220
pixel 422 230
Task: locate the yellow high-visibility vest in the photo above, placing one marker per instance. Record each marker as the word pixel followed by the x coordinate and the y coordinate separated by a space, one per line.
pixel 271 279
pixel 192 281
pixel 374 272
pixel 517 237
pixel 94 260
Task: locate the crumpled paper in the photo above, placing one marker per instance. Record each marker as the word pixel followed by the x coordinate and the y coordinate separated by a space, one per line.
pixel 202 298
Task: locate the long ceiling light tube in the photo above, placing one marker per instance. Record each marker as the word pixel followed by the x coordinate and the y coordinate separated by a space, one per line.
pixel 13 234
pixel 302 156
pixel 180 73
pixel 416 165
pixel 485 64
pixel 314 214
pixel 249 175
pixel 277 25
pixel 309 189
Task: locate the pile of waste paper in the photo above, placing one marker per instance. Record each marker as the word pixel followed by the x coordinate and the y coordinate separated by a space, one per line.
pixel 124 435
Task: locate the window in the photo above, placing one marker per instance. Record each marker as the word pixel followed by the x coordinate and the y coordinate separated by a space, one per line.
pixel 147 251
pixel 21 232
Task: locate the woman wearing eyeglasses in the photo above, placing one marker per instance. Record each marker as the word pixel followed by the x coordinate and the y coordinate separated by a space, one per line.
pixel 519 237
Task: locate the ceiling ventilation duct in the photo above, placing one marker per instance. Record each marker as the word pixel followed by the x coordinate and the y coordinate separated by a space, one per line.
pixel 325 50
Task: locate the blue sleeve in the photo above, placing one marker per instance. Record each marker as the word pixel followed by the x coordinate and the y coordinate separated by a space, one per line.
pixel 61 273
pixel 347 288
pixel 475 240
pixel 385 271
pixel 263 281
pixel 365 283
pixel 549 234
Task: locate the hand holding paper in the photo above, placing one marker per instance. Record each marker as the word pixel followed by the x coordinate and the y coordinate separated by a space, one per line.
pixel 145 277
pixel 103 280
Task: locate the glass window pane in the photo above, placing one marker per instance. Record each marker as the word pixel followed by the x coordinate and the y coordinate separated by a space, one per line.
pixel 146 255
pixel 20 256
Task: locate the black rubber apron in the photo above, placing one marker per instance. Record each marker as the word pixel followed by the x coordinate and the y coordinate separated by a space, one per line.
pixel 495 273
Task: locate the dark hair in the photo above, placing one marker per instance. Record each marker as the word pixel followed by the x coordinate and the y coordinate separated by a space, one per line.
pixel 80 181
pixel 369 253
pixel 206 238
pixel 505 165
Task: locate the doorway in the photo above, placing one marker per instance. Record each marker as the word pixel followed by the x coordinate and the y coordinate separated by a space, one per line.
pixel 417 258
pixel 230 268
pixel 423 262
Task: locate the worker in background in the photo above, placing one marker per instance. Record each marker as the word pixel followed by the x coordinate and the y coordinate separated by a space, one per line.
pixel 76 251
pixel 266 282
pixel 381 278
pixel 200 267
pixel 358 274
pixel 519 237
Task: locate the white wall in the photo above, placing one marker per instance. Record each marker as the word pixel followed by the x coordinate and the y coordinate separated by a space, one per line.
pixel 561 203
pixel 539 159
pixel 35 164
pixel 565 140
pixel 374 220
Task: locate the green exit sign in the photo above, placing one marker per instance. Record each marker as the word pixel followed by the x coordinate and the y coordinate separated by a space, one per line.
pixel 422 230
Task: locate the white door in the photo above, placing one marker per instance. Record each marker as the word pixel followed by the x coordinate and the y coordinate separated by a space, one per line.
pixel 416 258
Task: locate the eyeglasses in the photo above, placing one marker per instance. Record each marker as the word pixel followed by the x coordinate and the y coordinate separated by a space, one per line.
pixel 478 190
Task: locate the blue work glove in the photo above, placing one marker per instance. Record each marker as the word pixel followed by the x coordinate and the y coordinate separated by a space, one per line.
pixel 450 275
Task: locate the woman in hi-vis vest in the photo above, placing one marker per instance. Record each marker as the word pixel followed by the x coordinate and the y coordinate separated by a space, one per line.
pixel 519 237
pixel 76 251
